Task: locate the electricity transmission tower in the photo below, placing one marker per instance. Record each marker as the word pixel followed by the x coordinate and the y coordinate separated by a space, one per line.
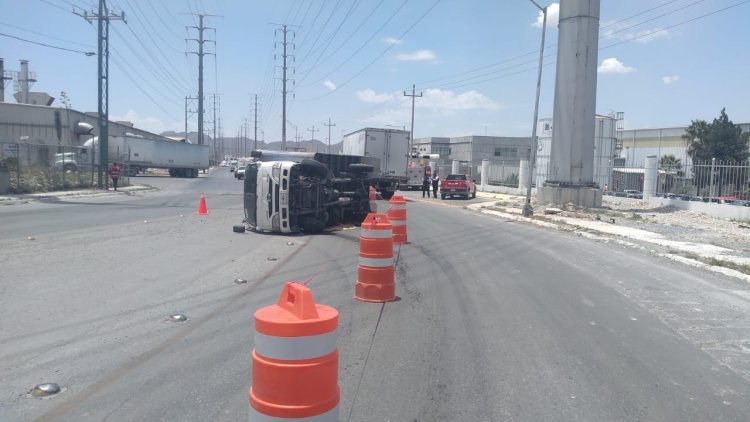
pixel 329 133
pixel 103 18
pixel 284 68
pixel 200 53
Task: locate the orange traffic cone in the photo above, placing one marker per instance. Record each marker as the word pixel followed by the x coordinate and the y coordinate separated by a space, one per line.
pixel 295 361
pixel 202 206
pixel 375 272
pixel 397 215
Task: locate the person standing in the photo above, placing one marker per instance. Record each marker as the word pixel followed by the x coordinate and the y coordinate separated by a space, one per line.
pixel 426 182
pixel 435 184
pixel 114 173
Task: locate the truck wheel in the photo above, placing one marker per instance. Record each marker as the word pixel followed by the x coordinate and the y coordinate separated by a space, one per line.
pixel 387 195
pixel 239 228
pixel 70 168
pixel 442 196
pixel 474 195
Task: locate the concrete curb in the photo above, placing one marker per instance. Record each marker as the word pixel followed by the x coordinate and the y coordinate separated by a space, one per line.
pixel 31 197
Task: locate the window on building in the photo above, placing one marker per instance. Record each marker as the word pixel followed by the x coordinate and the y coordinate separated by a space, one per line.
pixel 506 152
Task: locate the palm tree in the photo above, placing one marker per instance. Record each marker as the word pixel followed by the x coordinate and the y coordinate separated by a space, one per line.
pixel 672 167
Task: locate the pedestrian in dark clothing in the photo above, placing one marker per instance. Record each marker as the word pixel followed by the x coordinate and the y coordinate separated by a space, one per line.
pixel 435 184
pixel 426 186
pixel 114 173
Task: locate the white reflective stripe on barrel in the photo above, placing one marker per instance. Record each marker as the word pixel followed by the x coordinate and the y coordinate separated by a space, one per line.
pixel 398 222
pixel 295 348
pixel 397 206
pixel 376 234
pixel 329 416
pixel 376 262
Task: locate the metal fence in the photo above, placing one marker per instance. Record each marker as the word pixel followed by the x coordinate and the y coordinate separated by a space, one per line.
pixel 29 168
pixel 709 180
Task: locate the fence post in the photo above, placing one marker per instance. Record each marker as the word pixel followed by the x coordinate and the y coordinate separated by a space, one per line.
pixel 711 182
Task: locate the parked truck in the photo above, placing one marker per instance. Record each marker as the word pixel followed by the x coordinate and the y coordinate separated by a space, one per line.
pixel 292 192
pixel 418 166
pixel 137 153
pixel 389 146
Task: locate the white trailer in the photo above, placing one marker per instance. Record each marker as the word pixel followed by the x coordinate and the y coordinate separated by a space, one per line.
pixel 182 159
pixel 390 146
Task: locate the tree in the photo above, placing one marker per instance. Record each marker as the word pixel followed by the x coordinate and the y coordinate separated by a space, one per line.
pixel 720 139
pixel 671 166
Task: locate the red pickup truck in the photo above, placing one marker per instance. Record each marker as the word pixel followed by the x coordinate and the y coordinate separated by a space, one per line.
pixel 458 185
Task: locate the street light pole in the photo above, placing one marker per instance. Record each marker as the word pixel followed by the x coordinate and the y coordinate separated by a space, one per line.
pixel 528 211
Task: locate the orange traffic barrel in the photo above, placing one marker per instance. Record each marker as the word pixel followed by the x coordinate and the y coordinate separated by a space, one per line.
pixel 375 273
pixel 295 360
pixel 397 215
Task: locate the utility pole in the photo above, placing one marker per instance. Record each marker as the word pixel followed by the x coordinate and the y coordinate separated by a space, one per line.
pixel 284 29
pixel 411 136
pixel 103 18
pixel 528 210
pixel 215 108
pixel 255 134
pixel 186 114
pixel 312 136
pixel 3 78
pixel 200 55
pixel 329 133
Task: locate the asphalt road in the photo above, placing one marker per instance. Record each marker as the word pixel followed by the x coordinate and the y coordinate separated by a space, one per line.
pixel 495 320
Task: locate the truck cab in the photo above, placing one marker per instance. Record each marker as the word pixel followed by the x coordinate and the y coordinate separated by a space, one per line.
pixel 303 196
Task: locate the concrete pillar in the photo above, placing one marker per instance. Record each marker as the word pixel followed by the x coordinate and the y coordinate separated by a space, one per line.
pixel 485 173
pixel 649 177
pixel 454 167
pixel 523 175
pixel 571 173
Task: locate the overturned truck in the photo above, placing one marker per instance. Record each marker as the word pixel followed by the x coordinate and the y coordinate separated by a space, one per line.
pixel 292 192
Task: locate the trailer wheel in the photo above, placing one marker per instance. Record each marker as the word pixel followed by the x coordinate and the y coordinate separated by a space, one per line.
pixel 387 195
pixel 239 228
pixel 314 168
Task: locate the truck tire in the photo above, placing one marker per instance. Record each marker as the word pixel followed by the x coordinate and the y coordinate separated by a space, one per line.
pixel 314 168
pixel 387 195
pixel 312 225
pixel 70 167
pixel 442 196
pixel 239 228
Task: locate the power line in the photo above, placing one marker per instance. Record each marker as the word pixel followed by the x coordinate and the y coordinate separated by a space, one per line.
pixel 44 35
pixel 347 60
pixel 381 54
pixel 87 53
pixel 54 5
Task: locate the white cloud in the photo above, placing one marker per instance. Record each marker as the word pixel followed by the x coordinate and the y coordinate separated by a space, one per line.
pixel 418 55
pixel 370 96
pixel 392 41
pixel 443 100
pixel 670 79
pixel 612 65
pixel 330 85
pixel 553 16
pixel 151 124
pixel 619 31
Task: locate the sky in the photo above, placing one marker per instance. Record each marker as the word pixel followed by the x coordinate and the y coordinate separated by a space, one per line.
pixel 662 63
